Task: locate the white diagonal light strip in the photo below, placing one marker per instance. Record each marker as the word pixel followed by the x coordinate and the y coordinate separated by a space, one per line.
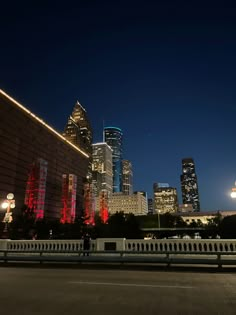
pixel 42 122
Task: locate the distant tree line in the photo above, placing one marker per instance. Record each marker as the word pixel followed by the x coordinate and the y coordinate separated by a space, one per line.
pixel 24 226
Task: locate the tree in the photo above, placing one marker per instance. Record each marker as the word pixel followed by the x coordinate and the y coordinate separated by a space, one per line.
pixel 227 227
pixel 179 222
pixel 42 229
pixel 23 224
pixel 132 227
pixel 116 223
pixel 100 229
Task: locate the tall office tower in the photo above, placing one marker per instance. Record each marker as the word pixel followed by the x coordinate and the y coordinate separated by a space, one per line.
pixel 127 177
pixel 102 167
pixel 165 199
pixel 102 177
pixel 79 132
pixel 113 137
pixel 189 184
pixel 78 129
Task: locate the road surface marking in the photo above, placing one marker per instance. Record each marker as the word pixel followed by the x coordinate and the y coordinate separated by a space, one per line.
pixel 133 285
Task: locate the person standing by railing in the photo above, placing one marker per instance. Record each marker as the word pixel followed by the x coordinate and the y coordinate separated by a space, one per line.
pixel 86 245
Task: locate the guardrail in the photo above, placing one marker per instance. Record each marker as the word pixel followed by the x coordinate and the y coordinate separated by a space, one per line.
pixel 165 251
pixel 182 245
pixel 135 257
pixel 152 245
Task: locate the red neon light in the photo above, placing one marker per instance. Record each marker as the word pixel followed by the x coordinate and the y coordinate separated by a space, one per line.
pixel 36 188
pixel 89 212
pixel 104 214
pixel 69 185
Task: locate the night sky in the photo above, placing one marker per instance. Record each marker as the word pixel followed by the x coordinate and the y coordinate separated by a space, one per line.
pixel 164 73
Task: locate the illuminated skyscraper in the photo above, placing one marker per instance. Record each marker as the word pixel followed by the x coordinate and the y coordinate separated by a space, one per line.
pixel 102 177
pixel 127 177
pixel 102 168
pixel 78 129
pixel 165 198
pixel 189 184
pixel 113 137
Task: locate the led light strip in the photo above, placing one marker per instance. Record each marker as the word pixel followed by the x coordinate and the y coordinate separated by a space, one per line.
pixel 42 122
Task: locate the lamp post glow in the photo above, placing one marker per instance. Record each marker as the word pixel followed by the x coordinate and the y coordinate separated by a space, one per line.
pixel 8 204
pixel 233 192
pixel 4 205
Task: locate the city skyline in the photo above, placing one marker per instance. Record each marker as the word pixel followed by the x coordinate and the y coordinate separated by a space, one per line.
pixel 164 74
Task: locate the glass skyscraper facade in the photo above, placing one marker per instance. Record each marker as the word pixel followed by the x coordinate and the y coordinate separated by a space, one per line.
pixel 189 184
pixel 127 177
pixel 78 129
pixel 102 168
pixel 102 178
pixel 114 137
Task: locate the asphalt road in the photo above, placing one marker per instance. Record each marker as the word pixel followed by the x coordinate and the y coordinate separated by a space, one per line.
pixel 68 291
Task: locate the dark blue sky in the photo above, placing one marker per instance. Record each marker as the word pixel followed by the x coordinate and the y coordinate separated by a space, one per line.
pixel 164 73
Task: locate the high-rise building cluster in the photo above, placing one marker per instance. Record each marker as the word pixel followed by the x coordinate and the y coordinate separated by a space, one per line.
pixel 113 177
pixel 166 199
pixel 67 175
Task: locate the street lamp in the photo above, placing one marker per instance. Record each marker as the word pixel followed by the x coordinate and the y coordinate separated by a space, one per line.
pixel 159 222
pixel 233 192
pixel 8 204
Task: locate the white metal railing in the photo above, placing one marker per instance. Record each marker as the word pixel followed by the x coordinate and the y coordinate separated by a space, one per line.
pixel 181 245
pixel 165 251
pixel 47 245
pixel 137 245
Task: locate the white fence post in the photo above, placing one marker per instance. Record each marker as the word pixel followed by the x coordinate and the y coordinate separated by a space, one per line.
pixel 3 244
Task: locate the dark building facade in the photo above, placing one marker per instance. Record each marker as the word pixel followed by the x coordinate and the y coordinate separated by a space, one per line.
pixel 189 184
pixel 114 138
pixel 33 159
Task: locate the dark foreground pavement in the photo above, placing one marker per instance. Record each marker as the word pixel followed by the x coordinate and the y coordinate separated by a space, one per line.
pixel 70 291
